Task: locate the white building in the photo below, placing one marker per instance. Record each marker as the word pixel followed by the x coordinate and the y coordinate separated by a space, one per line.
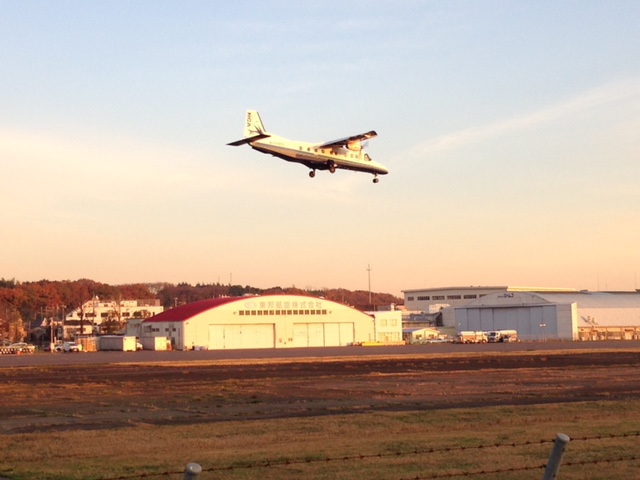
pixel 94 313
pixel 270 321
pixel 387 326
pixel 537 313
pixel 419 334
pixel 439 303
pixel 562 316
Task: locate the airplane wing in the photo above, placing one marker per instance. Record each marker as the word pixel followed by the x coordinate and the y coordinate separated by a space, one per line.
pixel 343 142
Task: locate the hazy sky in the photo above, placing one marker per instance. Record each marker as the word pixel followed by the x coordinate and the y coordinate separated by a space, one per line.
pixel 511 130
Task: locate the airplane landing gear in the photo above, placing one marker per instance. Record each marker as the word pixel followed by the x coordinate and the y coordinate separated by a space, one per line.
pixel 376 179
pixel 312 173
pixel 332 166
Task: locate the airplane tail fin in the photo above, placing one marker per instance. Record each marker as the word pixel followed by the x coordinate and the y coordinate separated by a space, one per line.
pixel 253 125
pixel 253 129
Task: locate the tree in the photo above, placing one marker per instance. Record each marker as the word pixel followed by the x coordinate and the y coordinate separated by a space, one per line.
pixel 35 301
pixel 11 324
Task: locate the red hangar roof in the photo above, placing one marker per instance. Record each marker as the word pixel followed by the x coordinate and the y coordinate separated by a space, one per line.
pixel 190 310
pixel 185 312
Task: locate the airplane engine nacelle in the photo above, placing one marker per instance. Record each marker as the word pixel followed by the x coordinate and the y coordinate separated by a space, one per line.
pixel 354 146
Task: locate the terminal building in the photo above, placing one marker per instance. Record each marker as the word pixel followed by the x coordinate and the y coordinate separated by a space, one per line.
pixel 535 313
pixel 271 321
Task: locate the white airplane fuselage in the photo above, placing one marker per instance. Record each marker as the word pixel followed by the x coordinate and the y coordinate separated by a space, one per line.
pixel 345 153
pixel 316 157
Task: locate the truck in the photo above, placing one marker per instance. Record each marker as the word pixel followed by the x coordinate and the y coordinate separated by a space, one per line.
pixel 472 337
pixel 68 347
pixel 503 336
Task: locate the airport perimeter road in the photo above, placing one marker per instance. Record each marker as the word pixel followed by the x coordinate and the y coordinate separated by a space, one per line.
pixel 318 353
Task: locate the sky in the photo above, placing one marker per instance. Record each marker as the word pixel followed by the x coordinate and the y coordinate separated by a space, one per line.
pixel 511 131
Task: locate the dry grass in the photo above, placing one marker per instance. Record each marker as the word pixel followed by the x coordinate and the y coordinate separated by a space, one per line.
pixel 142 422
pixel 145 450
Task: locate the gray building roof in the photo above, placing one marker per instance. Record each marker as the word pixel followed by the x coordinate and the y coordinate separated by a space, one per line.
pixel 595 299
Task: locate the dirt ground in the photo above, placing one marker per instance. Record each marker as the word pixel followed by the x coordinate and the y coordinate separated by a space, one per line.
pixel 62 397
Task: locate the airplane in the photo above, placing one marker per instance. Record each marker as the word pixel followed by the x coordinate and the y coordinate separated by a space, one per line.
pixel 344 153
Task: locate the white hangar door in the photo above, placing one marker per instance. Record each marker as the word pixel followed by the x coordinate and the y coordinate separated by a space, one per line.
pixel 338 334
pixel 346 333
pixel 224 337
pixel 308 335
pixel 322 334
pixel 331 334
pixel 300 334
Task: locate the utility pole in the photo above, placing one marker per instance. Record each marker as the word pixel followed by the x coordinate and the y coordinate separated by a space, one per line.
pixel 369 273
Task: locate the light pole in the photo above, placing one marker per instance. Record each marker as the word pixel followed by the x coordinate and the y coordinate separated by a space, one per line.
pixel 52 337
pixel 369 273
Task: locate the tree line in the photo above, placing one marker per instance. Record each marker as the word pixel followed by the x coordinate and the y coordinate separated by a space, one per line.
pixel 26 304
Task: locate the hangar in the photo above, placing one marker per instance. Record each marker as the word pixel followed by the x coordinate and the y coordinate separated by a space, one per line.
pixel 270 321
pixel 436 303
pixel 543 315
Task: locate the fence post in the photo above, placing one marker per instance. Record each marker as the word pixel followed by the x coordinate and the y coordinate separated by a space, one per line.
pixel 556 456
pixel 192 471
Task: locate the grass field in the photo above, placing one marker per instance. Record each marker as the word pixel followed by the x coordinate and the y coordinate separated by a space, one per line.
pixel 484 417
pixel 380 446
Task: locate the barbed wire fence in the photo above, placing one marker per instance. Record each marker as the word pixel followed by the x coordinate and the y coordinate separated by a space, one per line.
pixel 193 471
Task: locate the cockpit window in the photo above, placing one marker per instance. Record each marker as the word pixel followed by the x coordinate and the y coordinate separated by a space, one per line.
pixel 367 157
